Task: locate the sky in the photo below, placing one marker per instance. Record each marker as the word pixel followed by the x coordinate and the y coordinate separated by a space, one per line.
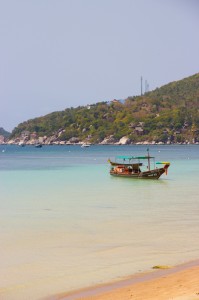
pixel 56 54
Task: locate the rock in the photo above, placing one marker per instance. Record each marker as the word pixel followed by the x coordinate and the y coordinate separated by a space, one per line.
pixel 108 140
pixel 124 141
pixel 74 140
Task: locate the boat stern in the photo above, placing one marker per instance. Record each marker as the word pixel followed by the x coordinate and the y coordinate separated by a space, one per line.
pixel 166 165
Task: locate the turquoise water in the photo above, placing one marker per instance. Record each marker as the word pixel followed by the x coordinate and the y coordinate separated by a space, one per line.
pixel 65 223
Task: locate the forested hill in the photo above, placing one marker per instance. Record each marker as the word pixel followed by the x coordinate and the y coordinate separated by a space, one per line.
pixel 4 133
pixel 167 114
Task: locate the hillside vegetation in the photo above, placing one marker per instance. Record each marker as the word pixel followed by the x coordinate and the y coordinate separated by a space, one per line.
pixel 167 114
pixel 4 133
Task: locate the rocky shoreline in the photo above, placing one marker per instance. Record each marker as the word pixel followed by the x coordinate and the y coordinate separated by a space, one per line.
pixel 75 141
pixel 27 138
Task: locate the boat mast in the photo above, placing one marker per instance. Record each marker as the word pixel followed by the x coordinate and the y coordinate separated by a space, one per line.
pixel 149 167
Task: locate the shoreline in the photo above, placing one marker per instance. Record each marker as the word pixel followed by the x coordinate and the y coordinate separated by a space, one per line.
pixel 180 282
pixel 61 143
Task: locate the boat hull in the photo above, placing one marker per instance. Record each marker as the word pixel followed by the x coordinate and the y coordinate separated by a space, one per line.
pixel 152 174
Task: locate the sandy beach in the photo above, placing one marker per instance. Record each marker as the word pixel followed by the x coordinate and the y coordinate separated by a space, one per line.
pixel 177 283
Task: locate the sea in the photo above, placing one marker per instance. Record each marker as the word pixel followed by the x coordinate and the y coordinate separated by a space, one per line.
pixel 66 224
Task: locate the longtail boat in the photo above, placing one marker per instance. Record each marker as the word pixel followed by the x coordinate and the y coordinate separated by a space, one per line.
pixel 135 167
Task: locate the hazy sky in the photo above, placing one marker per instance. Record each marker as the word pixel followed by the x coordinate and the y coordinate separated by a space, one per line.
pixel 56 54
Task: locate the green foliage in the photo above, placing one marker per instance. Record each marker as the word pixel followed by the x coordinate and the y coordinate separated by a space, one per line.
pixel 160 114
pixel 5 133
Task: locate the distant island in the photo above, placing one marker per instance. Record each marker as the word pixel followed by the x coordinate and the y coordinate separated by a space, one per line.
pixel 167 115
pixel 4 135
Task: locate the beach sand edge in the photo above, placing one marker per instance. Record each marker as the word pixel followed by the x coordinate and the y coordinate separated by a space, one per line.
pixel 180 282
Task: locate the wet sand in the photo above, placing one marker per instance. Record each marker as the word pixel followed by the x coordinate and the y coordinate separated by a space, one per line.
pixel 177 283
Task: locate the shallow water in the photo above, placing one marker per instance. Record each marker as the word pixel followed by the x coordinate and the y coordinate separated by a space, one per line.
pixel 66 223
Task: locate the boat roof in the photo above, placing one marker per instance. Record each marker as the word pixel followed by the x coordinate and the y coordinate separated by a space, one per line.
pixel 133 157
